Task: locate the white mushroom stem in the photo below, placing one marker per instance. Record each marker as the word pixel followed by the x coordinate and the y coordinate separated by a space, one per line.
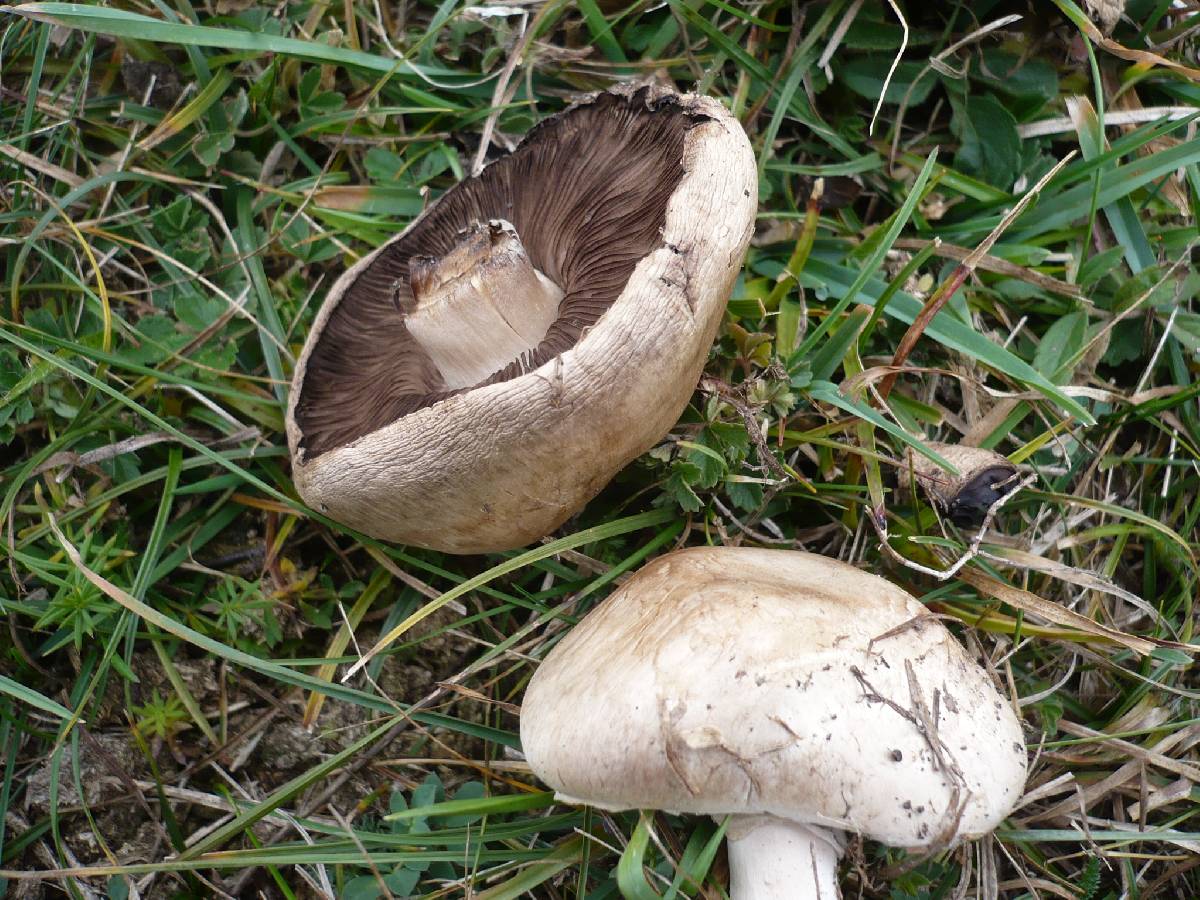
pixel 481 306
pixel 775 859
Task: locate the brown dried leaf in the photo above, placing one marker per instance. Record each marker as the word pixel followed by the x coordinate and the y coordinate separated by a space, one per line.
pixel 1171 187
pixel 1080 577
pixel 1138 56
pixel 1058 615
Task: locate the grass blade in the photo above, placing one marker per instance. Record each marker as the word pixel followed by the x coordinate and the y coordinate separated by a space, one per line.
pixel 945 330
pixel 31 697
pixel 871 265
pixel 121 23
pixel 599 532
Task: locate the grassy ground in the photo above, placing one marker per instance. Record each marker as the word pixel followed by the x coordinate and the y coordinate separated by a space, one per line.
pixel 174 202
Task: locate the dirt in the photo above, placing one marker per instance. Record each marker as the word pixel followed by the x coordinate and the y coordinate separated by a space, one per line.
pixel 271 747
pixel 98 767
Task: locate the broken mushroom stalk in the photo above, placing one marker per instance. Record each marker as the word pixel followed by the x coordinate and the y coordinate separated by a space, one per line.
pixel 984 476
pixel 474 382
pixel 796 694
pixel 481 306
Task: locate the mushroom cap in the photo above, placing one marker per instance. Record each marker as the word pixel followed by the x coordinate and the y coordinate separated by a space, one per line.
pixel 739 681
pixel 639 203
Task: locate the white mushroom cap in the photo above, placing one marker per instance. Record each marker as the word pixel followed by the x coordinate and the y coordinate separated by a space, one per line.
pixel 728 680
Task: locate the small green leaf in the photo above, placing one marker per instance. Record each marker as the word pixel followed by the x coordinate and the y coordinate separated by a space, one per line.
pixel 787 325
pixel 1061 340
pixel 710 464
pixel 364 887
pixel 313 100
pixel 383 165
pixel 427 793
pixel 1049 710
pixel 1098 265
pixel 198 310
pixel 402 881
pixel 989 146
pixel 209 147
pixel 678 485
pixel 875 28
pixel 746 495
pixel 1027 77
pixel 1125 344
pixel 865 75
pixel 473 797
pixel 732 438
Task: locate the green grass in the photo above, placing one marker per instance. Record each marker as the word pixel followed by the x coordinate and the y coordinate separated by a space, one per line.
pixel 181 184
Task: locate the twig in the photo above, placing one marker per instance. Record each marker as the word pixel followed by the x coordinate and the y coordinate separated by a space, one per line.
pixel 751 532
pixel 892 68
pixel 526 38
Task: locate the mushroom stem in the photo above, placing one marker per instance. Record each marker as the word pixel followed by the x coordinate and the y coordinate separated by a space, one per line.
pixel 481 306
pixel 775 859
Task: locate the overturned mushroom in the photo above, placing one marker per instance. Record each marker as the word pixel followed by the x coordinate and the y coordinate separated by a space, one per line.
pixel 475 381
pixel 799 695
pixel 984 476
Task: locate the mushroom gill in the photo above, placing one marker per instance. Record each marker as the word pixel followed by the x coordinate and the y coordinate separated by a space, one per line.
pixel 584 195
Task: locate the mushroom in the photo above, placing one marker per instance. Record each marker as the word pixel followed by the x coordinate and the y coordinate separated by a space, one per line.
pixel 984 476
pixel 796 694
pixel 476 380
